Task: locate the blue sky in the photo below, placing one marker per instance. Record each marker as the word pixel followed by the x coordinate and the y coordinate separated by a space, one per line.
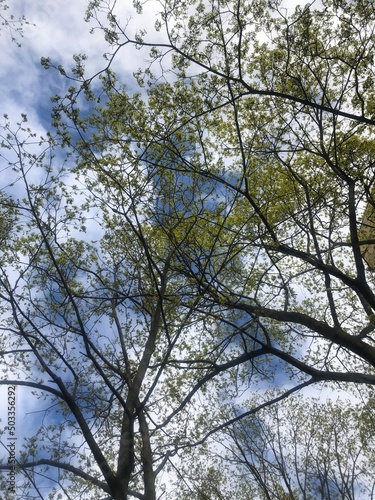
pixel 57 30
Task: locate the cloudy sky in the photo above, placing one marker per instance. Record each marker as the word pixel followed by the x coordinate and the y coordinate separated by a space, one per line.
pixel 57 30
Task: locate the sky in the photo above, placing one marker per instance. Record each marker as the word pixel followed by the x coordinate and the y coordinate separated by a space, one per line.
pixel 57 30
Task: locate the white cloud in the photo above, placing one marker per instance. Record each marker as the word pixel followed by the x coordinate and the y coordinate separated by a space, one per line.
pixel 57 30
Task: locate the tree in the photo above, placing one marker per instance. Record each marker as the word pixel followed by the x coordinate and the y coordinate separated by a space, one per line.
pixel 279 110
pixel 109 336
pixel 286 128
pixel 209 243
pixel 306 449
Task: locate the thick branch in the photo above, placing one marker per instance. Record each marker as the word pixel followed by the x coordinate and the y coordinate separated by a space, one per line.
pixel 34 385
pixel 335 334
pixel 60 465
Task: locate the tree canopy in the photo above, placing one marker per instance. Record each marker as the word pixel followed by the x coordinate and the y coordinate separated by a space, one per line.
pixel 201 254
